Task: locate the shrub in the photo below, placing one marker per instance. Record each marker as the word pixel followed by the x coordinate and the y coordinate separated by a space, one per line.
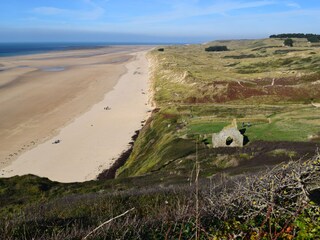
pixel 313 39
pixel 216 48
pixel 288 42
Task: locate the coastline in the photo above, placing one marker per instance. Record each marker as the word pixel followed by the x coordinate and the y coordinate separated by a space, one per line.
pixel 61 154
pixel 110 173
pixel 16 49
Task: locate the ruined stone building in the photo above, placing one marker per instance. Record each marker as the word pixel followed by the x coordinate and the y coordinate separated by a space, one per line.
pixel 230 136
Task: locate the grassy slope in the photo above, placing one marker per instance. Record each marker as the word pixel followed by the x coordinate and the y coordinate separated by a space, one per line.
pixel 200 92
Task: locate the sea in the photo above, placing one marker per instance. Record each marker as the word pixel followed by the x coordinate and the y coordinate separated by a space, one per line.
pixel 16 49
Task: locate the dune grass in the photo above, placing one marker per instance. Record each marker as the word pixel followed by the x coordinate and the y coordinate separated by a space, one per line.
pixel 199 93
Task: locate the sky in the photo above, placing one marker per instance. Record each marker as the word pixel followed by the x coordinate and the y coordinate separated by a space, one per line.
pixel 153 20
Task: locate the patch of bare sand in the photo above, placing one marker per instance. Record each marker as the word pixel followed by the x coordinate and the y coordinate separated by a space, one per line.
pixel 36 103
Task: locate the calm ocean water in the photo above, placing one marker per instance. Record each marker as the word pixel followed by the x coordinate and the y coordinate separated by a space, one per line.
pixel 15 49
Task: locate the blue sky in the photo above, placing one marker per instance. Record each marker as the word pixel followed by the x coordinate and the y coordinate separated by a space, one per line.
pixel 154 20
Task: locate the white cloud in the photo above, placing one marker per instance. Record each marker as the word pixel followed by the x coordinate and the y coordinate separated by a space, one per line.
pixel 49 10
pixel 191 9
pixel 94 11
pixel 293 5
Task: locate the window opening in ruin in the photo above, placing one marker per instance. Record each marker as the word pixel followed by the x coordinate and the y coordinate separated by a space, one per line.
pixel 229 140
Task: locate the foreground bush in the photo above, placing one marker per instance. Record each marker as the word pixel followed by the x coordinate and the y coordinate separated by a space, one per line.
pixel 280 203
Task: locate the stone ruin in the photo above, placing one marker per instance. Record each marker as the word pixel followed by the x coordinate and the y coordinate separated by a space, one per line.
pixel 229 136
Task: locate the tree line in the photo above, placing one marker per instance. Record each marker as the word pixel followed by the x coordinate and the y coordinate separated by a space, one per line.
pixel 310 37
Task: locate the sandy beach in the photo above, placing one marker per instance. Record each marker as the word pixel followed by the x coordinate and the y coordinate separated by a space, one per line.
pixel 68 115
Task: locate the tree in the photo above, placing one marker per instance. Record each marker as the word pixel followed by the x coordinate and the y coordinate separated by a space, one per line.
pixel 288 42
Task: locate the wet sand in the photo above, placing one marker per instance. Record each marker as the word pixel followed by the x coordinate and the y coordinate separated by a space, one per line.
pixel 63 96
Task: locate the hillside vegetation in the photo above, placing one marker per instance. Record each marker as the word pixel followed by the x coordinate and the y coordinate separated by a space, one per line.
pixel 198 93
pixel 174 185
